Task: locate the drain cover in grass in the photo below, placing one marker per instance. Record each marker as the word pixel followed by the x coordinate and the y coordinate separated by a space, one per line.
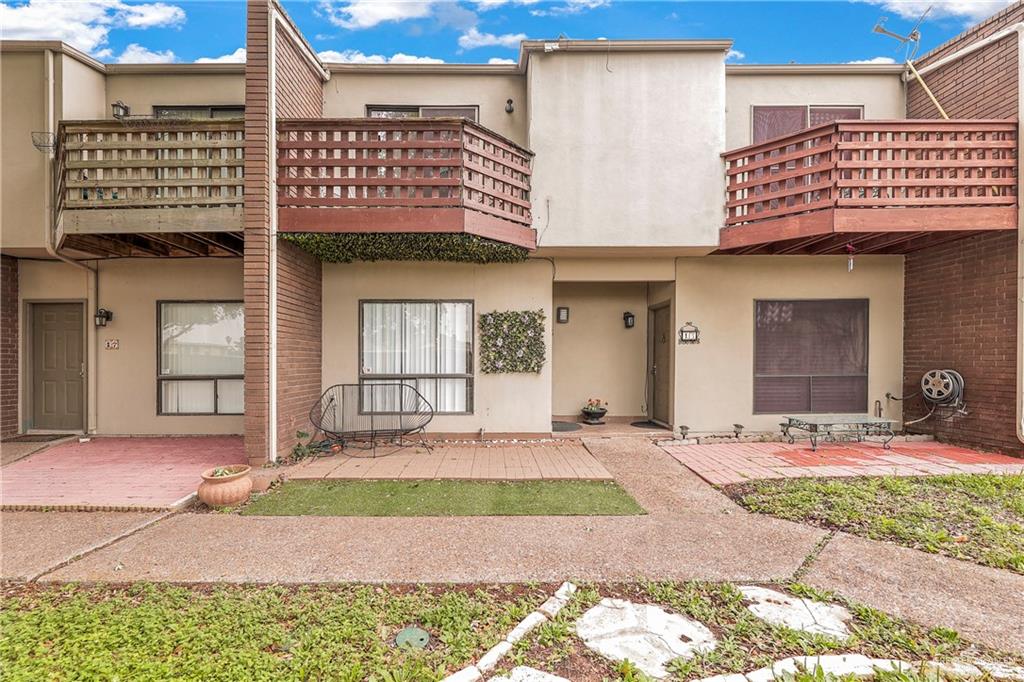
pixel 412 637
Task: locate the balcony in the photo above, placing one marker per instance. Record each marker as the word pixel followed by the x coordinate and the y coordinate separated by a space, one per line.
pixel 150 187
pixel 402 175
pixel 871 187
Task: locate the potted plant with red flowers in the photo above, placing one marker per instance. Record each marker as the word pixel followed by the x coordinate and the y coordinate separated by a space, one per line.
pixel 594 411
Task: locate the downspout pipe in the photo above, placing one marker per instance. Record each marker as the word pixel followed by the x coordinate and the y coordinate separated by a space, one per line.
pixel 1017 28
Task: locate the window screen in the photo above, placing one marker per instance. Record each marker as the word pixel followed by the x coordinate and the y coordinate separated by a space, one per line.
pixel 404 111
pixel 775 121
pixel 810 356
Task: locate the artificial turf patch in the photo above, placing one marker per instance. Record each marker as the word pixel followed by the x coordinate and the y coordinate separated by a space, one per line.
pixel 445 498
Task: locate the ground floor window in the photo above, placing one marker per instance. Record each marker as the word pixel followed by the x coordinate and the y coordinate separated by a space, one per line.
pixel 425 344
pixel 811 356
pixel 201 357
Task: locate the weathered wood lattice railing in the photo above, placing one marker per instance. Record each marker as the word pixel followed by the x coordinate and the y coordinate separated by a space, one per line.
pixel 150 164
pixel 402 163
pixel 874 164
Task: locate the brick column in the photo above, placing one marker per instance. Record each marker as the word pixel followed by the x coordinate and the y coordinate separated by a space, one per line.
pixel 8 346
pixel 257 207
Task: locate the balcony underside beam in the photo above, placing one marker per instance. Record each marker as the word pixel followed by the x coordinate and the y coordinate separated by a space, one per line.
pixel 152 220
pixel 868 230
pixel 157 244
pixel 406 220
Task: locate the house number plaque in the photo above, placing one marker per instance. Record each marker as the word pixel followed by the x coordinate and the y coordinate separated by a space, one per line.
pixel 689 333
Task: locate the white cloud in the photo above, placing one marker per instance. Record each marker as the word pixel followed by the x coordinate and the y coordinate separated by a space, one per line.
pixel 874 60
pixel 570 7
pixel 85 24
pixel 734 55
pixel 236 57
pixel 473 38
pixel 357 57
pixel 501 60
pixel 971 10
pixel 485 5
pixel 137 54
pixel 358 14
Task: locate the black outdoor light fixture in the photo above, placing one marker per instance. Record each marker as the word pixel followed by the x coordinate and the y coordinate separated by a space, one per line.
pixel 629 319
pixel 562 314
pixel 103 316
pixel 509 107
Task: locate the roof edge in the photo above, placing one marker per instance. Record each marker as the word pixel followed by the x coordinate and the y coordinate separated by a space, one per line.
pixel 786 69
pixel 54 46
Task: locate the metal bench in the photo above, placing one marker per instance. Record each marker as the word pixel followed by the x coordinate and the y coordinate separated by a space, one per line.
pixel 837 427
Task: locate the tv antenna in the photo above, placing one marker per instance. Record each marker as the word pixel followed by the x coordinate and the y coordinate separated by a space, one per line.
pixel 912 40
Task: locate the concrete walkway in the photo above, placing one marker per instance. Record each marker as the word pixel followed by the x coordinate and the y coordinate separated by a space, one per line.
pixel 691 532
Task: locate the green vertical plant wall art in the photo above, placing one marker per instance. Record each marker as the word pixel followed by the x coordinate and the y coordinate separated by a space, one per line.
pixel 512 342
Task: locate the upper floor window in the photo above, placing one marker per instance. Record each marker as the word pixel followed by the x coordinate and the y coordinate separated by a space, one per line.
pixel 219 111
pixel 470 112
pixel 775 121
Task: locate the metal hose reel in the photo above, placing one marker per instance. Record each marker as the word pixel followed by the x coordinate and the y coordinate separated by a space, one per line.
pixel 940 388
pixel 943 387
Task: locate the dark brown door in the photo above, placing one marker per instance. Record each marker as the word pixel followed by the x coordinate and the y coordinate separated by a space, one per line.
pixel 661 377
pixel 58 366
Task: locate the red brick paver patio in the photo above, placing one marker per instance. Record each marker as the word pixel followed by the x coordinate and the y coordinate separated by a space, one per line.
pixel 520 462
pixel 726 463
pixel 115 473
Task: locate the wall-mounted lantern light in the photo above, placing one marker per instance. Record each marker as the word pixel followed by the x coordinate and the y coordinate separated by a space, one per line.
pixel 689 333
pixel 509 106
pixel 103 316
pixel 629 319
pixel 120 109
pixel 562 314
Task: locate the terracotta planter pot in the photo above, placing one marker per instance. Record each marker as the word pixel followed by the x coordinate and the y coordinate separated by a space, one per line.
pixel 225 491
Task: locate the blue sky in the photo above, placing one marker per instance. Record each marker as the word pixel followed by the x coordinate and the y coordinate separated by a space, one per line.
pixel 479 31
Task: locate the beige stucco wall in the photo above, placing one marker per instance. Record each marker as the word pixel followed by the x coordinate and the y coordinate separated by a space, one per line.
pixel 23 174
pixel 347 94
pixel 144 91
pixel 714 378
pixel 594 355
pixel 503 402
pixel 615 269
pixel 880 94
pixel 122 383
pixel 83 91
pixel 628 148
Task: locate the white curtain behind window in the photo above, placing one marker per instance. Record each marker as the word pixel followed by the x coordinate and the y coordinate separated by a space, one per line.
pixel 202 339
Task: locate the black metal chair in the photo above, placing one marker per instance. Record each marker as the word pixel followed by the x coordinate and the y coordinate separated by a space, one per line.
pixel 372 412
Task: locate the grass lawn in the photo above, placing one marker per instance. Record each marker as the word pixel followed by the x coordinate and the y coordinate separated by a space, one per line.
pixel 346 632
pixel 232 633
pixel 444 498
pixel 979 517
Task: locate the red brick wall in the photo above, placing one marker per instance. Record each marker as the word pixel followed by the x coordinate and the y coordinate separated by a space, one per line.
pixel 960 313
pixel 8 346
pixel 960 298
pixel 256 260
pixel 982 84
pixel 299 321
pixel 298 92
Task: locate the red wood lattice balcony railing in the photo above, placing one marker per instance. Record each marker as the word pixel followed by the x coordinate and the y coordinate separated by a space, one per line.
pixel 955 174
pixel 402 175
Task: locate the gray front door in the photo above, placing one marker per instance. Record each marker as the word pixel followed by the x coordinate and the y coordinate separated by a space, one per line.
pixel 661 378
pixel 58 366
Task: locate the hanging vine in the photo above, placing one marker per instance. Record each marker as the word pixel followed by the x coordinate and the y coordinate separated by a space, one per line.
pixel 457 248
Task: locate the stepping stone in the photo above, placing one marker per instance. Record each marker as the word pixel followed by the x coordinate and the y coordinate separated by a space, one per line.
pixel 645 634
pixel 797 613
pixel 525 673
